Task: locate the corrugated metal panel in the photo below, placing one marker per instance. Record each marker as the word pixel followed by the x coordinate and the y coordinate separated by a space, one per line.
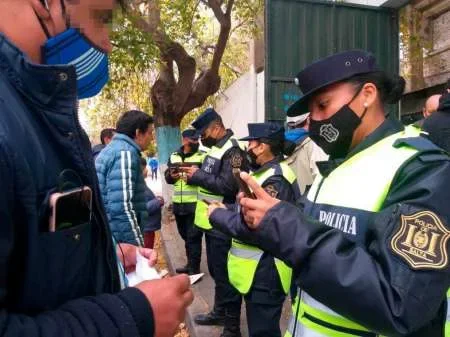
pixel 300 31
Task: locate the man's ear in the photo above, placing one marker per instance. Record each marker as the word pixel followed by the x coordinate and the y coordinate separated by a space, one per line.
pixel 41 7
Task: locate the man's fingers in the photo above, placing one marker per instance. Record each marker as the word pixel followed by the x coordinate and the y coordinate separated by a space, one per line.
pixel 188 297
pixel 182 283
pixel 250 204
pixel 259 192
pixel 40 9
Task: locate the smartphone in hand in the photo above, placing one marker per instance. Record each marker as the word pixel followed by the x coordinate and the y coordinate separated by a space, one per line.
pixel 243 187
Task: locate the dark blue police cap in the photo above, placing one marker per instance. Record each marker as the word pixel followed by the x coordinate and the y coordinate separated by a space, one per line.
pixel 264 130
pixel 203 121
pixel 329 70
pixel 190 133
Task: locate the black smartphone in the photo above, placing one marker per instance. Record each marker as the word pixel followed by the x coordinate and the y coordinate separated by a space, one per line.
pixel 70 209
pixel 243 187
pixel 207 202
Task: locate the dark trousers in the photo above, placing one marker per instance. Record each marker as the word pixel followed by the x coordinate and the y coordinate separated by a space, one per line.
pixel 154 174
pixel 227 298
pixel 265 301
pixel 192 237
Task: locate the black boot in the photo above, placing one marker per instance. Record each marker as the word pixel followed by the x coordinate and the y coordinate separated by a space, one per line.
pixel 183 270
pixel 215 317
pixel 232 326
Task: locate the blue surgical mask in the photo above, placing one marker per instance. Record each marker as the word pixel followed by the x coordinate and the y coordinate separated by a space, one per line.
pixel 71 47
pixel 91 64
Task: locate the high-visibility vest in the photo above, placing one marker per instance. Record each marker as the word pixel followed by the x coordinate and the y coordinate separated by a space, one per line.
pixel 184 193
pixel 447 318
pixel 360 183
pixel 201 219
pixel 243 259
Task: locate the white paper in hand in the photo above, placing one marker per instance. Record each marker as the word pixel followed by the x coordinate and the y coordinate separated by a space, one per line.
pixel 143 271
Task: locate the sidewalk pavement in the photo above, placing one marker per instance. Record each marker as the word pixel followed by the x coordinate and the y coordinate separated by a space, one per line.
pixel 204 289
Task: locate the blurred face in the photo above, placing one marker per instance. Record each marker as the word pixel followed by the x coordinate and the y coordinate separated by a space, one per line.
pixel 91 17
pixel 143 139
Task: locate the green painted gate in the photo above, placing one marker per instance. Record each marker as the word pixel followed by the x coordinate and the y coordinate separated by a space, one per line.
pixel 298 32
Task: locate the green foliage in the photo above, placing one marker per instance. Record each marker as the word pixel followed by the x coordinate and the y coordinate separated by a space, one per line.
pixel 135 60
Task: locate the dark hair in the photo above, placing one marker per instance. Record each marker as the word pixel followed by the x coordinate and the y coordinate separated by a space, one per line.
pixel 143 162
pixel 133 120
pixel 276 146
pixel 448 84
pixel 219 122
pixel 106 133
pixel 390 88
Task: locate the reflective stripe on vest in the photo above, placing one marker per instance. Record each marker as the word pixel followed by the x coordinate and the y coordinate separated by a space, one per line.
pixel 243 259
pixel 184 193
pixel 201 211
pixel 363 182
pixel 447 321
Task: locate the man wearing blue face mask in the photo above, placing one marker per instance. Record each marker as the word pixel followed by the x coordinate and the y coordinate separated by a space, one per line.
pixel 54 280
pixel 302 160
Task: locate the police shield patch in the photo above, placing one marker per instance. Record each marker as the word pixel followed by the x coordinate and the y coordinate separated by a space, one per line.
pixel 329 132
pixel 422 241
pixel 236 160
pixel 271 190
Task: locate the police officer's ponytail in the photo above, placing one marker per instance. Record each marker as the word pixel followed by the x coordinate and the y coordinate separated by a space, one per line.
pixel 390 87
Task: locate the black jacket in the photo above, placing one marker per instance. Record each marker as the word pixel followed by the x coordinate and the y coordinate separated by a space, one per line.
pixel 369 282
pixel 231 221
pixel 64 283
pixel 217 176
pixel 438 124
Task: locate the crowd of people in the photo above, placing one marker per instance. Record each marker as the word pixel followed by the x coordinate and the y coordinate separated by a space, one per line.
pixel 345 210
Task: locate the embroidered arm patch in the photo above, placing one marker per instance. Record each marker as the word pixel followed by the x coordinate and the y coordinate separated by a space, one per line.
pixel 421 240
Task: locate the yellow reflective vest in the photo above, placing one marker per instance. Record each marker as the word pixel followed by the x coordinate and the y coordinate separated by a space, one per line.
pixel 243 259
pixel 201 211
pixel 184 193
pixel 360 183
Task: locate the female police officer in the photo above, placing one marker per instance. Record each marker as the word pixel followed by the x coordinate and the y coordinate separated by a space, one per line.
pixel 369 244
pixel 262 280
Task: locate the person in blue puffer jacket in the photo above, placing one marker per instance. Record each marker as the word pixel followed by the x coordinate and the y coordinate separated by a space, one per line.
pixel 122 183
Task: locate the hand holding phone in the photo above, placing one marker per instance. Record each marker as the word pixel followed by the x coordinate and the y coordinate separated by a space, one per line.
pixel 243 187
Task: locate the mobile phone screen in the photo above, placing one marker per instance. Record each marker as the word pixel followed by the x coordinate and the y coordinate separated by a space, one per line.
pixel 73 209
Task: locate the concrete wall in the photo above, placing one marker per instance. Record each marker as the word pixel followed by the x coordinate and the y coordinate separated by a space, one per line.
pixel 243 103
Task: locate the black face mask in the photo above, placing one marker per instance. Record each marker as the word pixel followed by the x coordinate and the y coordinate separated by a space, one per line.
pixel 251 157
pixel 209 141
pixel 334 135
pixel 194 147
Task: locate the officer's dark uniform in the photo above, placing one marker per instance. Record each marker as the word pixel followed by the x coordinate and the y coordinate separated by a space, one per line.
pixel 383 272
pixel 265 282
pixel 217 177
pixel 185 211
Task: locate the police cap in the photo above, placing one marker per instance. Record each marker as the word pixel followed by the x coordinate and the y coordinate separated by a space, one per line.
pixel 330 70
pixel 190 133
pixel 205 119
pixel 264 130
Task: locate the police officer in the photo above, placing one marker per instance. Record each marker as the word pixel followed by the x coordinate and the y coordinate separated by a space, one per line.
pixel 216 182
pixel 369 244
pixel 262 279
pixel 185 198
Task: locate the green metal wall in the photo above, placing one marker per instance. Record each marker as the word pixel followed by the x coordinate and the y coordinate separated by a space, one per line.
pixel 301 31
